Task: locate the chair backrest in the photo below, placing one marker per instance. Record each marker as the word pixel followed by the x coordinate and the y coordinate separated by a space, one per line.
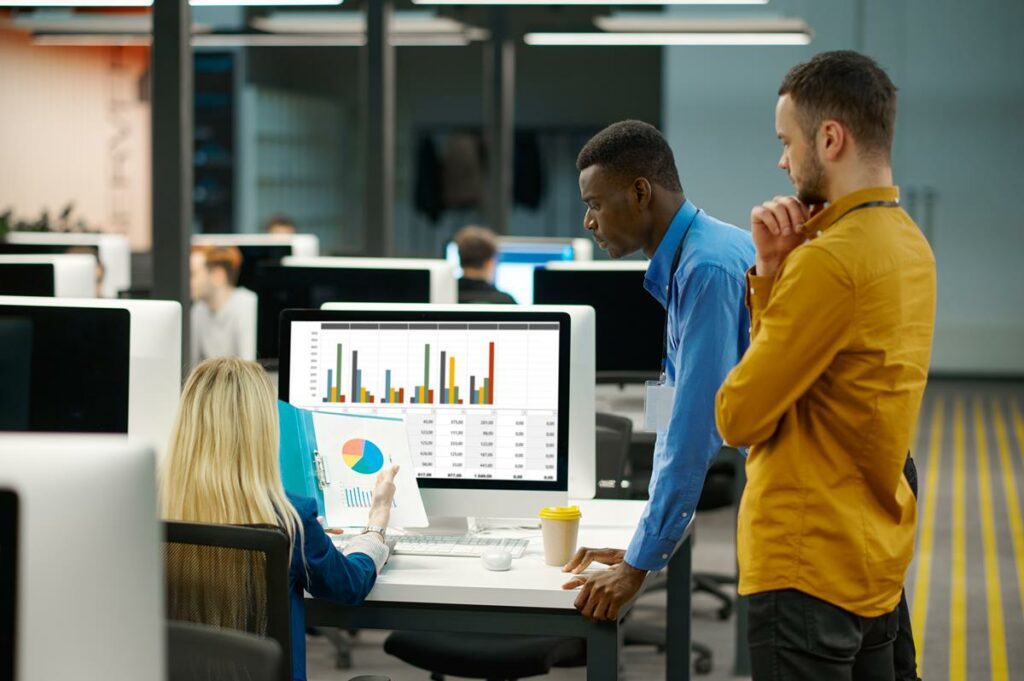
pixel 196 652
pixel 232 577
pixel 612 447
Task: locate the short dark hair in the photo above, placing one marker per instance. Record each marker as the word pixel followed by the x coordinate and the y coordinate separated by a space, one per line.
pixel 632 149
pixel 849 87
pixel 477 246
pixel 278 219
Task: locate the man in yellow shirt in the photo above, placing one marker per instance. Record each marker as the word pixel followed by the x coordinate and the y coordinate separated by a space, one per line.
pixel 842 303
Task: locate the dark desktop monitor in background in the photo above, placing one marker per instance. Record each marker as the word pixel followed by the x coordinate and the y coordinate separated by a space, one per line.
pixel 630 323
pixel 27 279
pixel 280 288
pixel 254 256
pixel 64 369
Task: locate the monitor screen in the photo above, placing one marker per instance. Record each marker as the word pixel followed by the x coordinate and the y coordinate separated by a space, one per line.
pixel 254 256
pixel 280 288
pixel 27 279
pixel 65 369
pixel 8 581
pixel 630 322
pixel 484 394
pixel 516 262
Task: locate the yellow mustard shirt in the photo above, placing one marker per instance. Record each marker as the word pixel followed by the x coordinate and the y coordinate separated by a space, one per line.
pixel 826 397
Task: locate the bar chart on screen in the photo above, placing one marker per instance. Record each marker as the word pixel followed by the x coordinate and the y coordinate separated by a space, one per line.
pixel 480 399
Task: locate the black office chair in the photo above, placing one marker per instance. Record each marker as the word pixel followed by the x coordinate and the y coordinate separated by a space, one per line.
pixel 612 452
pixel 230 576
pixel 196 652
pixel 485 656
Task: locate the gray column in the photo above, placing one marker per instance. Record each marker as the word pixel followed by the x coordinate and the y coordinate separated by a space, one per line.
pixel 499 112
pixel 379 153
pixel 171 69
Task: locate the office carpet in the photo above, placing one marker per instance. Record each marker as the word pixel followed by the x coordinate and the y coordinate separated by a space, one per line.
pixel 966 584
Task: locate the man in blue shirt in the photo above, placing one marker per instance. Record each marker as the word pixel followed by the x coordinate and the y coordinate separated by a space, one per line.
pixel 628 180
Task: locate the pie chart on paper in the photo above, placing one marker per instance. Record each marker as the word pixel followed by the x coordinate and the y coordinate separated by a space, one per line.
pixel 362 456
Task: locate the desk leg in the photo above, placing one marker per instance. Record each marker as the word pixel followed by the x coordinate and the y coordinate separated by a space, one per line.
pixel 678 634
pixel 603 645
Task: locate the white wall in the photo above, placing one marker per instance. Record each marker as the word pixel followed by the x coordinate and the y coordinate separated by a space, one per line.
pixel 959 134
pixel 72 129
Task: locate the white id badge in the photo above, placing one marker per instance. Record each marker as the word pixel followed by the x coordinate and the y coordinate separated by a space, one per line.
pixel 658 400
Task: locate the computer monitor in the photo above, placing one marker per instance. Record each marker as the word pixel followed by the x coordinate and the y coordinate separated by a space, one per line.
pixel 89 571
pixel 630 322
pixel 519 256
pixel 63 276
pixel 311 282
pixel 261 249
pixel 111 366
pixel 499 401
pixel 112 250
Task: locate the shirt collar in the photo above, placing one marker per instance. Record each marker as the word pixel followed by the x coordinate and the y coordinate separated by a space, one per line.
pixel 828 217
pixel 659 270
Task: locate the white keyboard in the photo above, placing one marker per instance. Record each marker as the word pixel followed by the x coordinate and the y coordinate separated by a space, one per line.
pixel 457 545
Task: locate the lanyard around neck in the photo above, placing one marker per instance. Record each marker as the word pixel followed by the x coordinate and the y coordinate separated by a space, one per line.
pixel 868 204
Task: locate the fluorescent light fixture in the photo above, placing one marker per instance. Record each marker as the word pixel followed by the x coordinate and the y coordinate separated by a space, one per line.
pixel 620 3
pixel 630 22
pixel 243 40
pixel 665 39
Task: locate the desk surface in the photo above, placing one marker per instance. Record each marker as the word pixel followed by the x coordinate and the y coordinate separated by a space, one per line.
pixel 529 584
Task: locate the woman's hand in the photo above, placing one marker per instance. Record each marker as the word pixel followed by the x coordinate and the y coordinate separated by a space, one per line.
pixel 383 497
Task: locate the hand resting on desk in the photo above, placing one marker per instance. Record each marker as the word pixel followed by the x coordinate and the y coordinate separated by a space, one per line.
pixel 604 593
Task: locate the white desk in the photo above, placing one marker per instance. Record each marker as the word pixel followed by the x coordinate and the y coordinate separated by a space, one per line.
pixel 458 595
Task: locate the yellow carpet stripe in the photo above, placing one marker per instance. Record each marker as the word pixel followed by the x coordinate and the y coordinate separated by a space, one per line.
pixel 922 579
pixel 958 581
pixel 1018 426
pixel 990 551
pixel 1013 510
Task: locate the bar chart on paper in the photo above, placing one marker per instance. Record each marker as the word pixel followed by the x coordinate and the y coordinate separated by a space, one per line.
pixel 480 400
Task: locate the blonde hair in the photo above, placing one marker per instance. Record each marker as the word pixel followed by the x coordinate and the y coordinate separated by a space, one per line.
pixel 222 467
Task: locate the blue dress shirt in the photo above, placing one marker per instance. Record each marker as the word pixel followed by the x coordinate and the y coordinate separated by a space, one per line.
pixel 708 332
pixel 326 574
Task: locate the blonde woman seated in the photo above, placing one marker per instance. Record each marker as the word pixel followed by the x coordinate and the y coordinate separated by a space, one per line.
pixel 222 467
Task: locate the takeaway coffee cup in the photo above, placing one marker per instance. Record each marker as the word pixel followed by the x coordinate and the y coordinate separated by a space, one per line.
pixel 560 527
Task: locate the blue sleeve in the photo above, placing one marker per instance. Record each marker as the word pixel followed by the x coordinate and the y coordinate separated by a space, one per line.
pixel 712 327
pixel 326 572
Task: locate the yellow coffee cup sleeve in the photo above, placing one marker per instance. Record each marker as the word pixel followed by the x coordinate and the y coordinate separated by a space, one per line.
pixel 561 513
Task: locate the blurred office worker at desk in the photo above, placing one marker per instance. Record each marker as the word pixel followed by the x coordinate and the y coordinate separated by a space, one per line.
pixel 635 202
pixel 222 467
pixel 478 257
pixel 223 314
pixel 842 300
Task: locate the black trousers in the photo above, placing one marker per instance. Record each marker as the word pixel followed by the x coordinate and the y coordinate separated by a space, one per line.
pixel 793 635
pixel 796 637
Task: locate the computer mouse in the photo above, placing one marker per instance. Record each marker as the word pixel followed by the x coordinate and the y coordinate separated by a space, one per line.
pixel 497 560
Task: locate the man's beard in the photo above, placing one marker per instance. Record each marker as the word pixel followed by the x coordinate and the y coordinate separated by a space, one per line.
pixel 811 190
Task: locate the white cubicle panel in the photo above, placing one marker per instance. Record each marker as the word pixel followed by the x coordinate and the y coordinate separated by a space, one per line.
pixel 154 361
pixel 304 245
pixel 444 285
pixel 113 249
pixel 582 421
pixel 74 275
pixel 90 591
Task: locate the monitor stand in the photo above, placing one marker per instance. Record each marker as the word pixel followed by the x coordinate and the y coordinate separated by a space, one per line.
pixel 459 525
